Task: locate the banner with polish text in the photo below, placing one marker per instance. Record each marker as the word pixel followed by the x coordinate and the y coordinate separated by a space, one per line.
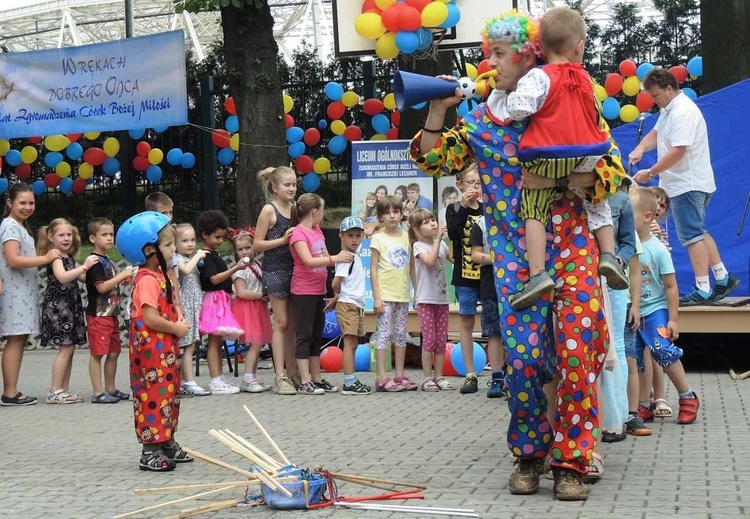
pixel 121 85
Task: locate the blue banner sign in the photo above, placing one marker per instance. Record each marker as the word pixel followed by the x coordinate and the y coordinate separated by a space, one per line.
pixel 120 85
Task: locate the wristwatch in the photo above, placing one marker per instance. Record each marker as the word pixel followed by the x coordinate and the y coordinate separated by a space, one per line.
pixel 561 184
pixel 650 174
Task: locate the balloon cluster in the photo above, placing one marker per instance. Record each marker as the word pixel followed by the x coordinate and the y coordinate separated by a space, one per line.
pixel 227 139
pixel 404 26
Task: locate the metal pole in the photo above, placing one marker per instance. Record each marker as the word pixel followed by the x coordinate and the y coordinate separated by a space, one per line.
pixel 127 175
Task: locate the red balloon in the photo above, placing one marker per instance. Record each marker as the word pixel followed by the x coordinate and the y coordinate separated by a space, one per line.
pixel 23 171
pixel 391 18
pixel 95 156
pixel 419 5
pixel 628 68
pixel 288 121
pixel 613 84
pixel 369 5
pixel 143 148
pixel 484 66
pixel 410 18
pixel 331 359
pixel 229 106
pixel 221 138
pixel 644 102
pixel 35 140
pixel 679 72
pixel 353 133
pixel 52 180
pixel 312 136
pixel 141 163
pixel 448 368
pixel 396 118
pixel 304 164
pixel 373 106
pixel 72 137
pixel 336 110
pixel 79 186
pixel 392 134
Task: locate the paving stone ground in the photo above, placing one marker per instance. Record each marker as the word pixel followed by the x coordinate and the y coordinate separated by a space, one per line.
pixel 80 461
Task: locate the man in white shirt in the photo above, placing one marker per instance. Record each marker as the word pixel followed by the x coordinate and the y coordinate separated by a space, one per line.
pixel 685 173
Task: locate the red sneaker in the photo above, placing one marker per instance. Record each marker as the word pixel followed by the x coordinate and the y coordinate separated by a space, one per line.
pixel 688 409
pixel 646 413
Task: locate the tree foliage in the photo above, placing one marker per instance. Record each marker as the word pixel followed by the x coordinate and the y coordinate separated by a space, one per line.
pixel 678 36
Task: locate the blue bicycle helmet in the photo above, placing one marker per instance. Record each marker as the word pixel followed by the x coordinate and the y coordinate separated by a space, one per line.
pixel 137 232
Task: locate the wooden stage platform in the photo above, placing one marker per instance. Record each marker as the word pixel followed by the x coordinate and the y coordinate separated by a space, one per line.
pixel 697 319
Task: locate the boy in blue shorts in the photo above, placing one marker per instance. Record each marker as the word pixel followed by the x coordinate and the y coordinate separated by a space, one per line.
pixel 659 305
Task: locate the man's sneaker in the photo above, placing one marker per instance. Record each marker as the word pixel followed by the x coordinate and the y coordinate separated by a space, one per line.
pixel 308 388
pixel 610 268
pixel 696 297
pixel 496 388
pixel 524 480
pixel 253 386
pixel 326 386
pixel 190 390
pixel 688 409
pixel 223 388
pixel 471 385
pixel 722 291
pixel 532 290
pixel 645 413
pixel 568 485
pixel 296 380
pixel 635 426
pixel 358 388
pixel 283 386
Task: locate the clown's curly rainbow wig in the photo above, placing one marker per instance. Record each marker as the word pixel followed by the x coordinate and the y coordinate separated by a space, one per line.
pixel 521 30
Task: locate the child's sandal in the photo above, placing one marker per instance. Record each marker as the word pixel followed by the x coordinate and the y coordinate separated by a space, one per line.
pixel 661 408
pixel 429 385
pixel 156 461
pixel 178 455
pixel 444 384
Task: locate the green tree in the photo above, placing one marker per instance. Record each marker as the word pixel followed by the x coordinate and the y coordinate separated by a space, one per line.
pixel 679 32
pixel 625 36
pixel 726 40
pixel 593 32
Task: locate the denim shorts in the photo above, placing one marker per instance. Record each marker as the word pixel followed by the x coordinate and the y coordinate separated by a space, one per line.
pixel 629 336
pixel 653 335
pixel 689 213
pixel 468 297
pixel 490 318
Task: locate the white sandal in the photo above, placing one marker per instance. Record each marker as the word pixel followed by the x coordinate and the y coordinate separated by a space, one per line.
pixel 59 396
pixel 662 409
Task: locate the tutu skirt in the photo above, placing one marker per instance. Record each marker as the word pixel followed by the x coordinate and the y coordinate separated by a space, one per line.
pixel 254 318
pixel 217 317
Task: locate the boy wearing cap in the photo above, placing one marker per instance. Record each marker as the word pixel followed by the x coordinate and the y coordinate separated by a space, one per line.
pixel 349 288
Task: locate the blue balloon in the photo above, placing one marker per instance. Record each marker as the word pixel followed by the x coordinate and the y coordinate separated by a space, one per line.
pixel 136 134
pixel 362 358
pixel 380 123
pixel 111 166
pixel 294 134
pixel 337 145
pixel 692 94
pixel 3 185
pixel 311 182
pixel 173 156
pixel 160 129
pixel 333 91
pixel 454 16
pixel 153 173
pixel 51 159
pixel 66 186
pixel 232 124
pixel 407 41
pixel 13 157
pixel 331 328
pixel 187 160
pixel 425 38
pixel 74 151
pixel 457 359
pixel 296 149
pixel 695 66
pixel 38 186
pixel 225 156
pixel 463 108
pixel 322 124
pixel 419 106
pixel 89 181
pixel 610 108
pixel 642 70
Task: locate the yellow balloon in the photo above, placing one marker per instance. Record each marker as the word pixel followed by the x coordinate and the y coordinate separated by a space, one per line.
pixel 338 127
pixel 63 169
pixel 321 166
pixel 56 142
pixel 370 26
pixel 471 71
pixel 386 47
pixel 350 99
pixel 29 154
pixel 482 88
pixel 390 101
pixel 92 135
pixel 85 170
pixel 601 93
pixel 631 86
pixel 629 113
pixel 379 137
pixel 434 14
pixel 288 104
pixel 155 156
pixel 4 147
pixel 234 142
pixel 111 146
pixel 384 4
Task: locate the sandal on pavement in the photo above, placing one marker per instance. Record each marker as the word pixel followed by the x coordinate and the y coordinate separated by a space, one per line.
pixel 156 461
pixel 382 386
pixel 595 471
pixel 429 385
pixel 444 384
pixel 76 396
pixel 406 383
pixel 17 400
pixel 176 454
pixel 661 408
pixel 59 396
pixel 120 395
pixel 104 398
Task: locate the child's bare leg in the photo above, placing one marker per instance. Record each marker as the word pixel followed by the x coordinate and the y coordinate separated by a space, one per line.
pixel 315 373
pixel 95 373
pixel 290 346
pixel 60 367
pixel 658 381
pixel 439 363
pixel 251 358
pixel 496 353
pixel 68 370
pixel 350 348
pixel 110 372
pixel 536 245
pixel 280 329
pixel 676 373
pixel 213 356
pixel 467 338
pixel 646 377
pixel 304 369
pixel 632 385
pixel 427 364
pixel 11 363
pixel 605 238
pixel 187 363
pixel 400 360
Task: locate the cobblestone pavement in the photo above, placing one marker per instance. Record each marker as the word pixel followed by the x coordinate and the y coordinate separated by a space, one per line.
pixel 80 461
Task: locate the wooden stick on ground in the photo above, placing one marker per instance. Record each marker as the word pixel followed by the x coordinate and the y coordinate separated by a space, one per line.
pixel 203 509
pixel 366 483
pixel 378 480
pixel 240 449
pixel 255 449
pixel 203 486
pixel 219 463
pixel 268 436
pixel 170 503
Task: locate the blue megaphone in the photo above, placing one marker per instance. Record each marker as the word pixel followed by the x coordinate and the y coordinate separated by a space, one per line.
pixel 411 89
